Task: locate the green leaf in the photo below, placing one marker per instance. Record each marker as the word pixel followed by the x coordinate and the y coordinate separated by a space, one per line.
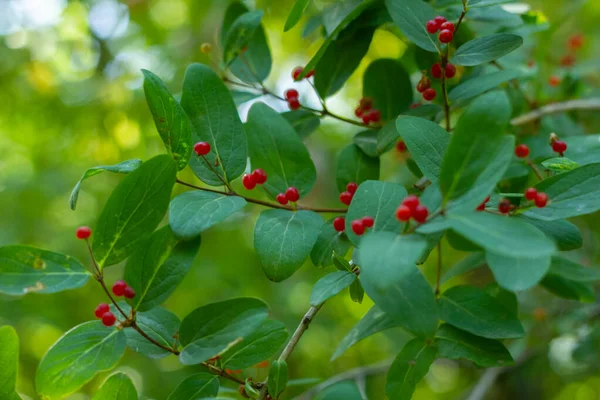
pixel 239 35
pixel 573 271
pixel 566 235
pixel 276 147
pixel 469 263
pixel 124 167
pixel 479 152
pixel 357 293
pixel 295 15
pixel 284 239
pixel 520 272
pixel 304 122
pixel 196 387
pixel 355 166
pixel 77 357
pixel 378 200
pixel 9 362
pixel 387 137
pixel 481 84
pixel 427 143
pixel 410 366
pixel 486 3
pixel 209 330
pixel 344 390
pixel 193 212
pixel 134 210
pixel 390 277
pixel 391 100
pixel 26 269
pixel 559 164
pixel 375 320
pixel 456 344
pixel 256 347
pixel 158 266
pixel 367 142
pixel 278 378
pixel 573 193
pixel 485 49
pixel 583 149
pixel 568 289
pixel 424 111
pixel 341 263
pixel 117 387
pixel 215 120
pixel 472 310
pixel 330 285
pixel 241 97
pixel 170 119
pixel 328 242
pixel 411 16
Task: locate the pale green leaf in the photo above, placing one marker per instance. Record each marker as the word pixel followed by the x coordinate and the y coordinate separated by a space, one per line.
pixel 330 285
pixel 9 362
pixel 486 49
pixel 278 378
pixel 117 387
pixel 410 366
pixel 197 387
pixel 256 347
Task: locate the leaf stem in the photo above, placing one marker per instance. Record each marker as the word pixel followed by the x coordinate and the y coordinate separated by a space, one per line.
pixel 215 172
pixel 535 169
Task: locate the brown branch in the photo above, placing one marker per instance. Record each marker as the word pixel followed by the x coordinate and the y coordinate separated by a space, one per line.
pixel 535 169
pixel 571 105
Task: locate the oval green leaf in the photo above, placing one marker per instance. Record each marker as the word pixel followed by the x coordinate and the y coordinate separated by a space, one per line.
pixel 330 285
pixel 481 84
pixel 303 121
pixel 9 362
pixel 390 100
pixel 278 378
pixel 240 33
pixel 117 387
pixel 518 273
pixel 328 242
pixel 353 165
pixel 485 49
pixel 411 16
pixel 410 366
pixel 295 15
pixel 199 386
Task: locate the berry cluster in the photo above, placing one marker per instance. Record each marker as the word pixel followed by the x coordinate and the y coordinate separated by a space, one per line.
pixel 539 198
pixel 346 197
pixel 411 208
pixel 558 145
pixel 449 71
pixel 424 87
pixel 202 148
pixel 103 312
pixel 257 177
pixel 121 288
pixel 442 25
pixel 366 112
pixel 298 70
pixel 291 95
pixel 360 225
pixel 83 232
pixel 291 194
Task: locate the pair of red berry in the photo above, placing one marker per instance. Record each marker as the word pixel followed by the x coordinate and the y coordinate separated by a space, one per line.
pixel 121 288
pixel 346 197
pixel 291 194
pixel 257 177
pixel 360 225
pixel 366 112
pixel 554 81
pixel 411 208
pixel 291 95
pixel 103 312
pixel 298 70
pixel 441 24
pixel 424 87
pixel 436 71
pixel 202 148
pixel 539 198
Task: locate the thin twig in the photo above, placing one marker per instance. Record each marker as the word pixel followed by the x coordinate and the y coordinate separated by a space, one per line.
pixel 444 62
pixel 571 105
pixel 532 103
pixel 216 172
pixel 535 169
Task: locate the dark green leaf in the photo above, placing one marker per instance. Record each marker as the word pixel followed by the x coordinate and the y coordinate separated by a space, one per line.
pixel 124 167
pixel 278 378
pixel 573 193
pixel 357 293
pixel 391 278
pixel 353 165
pixel 256 347
pixel 197 387
pixel 469 263
pixel 573 271
pixel 344 390
pixel 367 142
pixel 410 366
pixel 239 35
pixel 518 272
pixel 240 97
pixel 471 309
pixel 481 84
pixel 424 111
pixel 485 49
pixel 328 242
pixel 304 122
pixel 77 357
pixel 559 164
pixel 276 147
pixel 391 100
pixel 26 269
pixel 9 362
pixel 387 137
pixel 191 213
pixel 117 387
pixel 455 344
pixel 215 120
pixel 427 143
pixel 295 15
pixel 134 210
pixel 170 119
pixel 341 263
pixel 209 330
pixel 330 285
pixel 568 289
pixel 562 232
pixel 411 16
pixel 284 239
pixel 583 149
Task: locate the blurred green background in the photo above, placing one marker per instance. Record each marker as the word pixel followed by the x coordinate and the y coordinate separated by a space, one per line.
pixel 71 98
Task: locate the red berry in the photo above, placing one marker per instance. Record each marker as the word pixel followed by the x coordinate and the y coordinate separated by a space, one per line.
pixel 129 292
pixel 375 115
pixel 248 182
pixel 432 26
pixel 281 199
pixel 449 26
pixel 403 213
pixel 575 42
pixel 311 73
pixel 358 227
pixel 366 103
pixel 481 207
pixel 504 206
pixel 351 187
pixel 119 288
pixel 366 118
pixel 291 94
pixel 101 310
pixel 108 319
pixel 554 81
pixel 541 200
pixel 202 148
pixel 292 194
pixel 568 60
pixel 429 94
pixel 522 151
pixel 440 20
pixel 420 214
pixel 424 84
pixel 436 71
pixel 83 232
pixel 259 176
pixel 339 224
pixel 411 201
pixel 531 194
pixel 559 146
pixel 368 222
pixel 346 198
pixel 294 104
pixel 401 146
pixel 359 112
pixel 450 71
pixel 446 36
pixel 296 72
